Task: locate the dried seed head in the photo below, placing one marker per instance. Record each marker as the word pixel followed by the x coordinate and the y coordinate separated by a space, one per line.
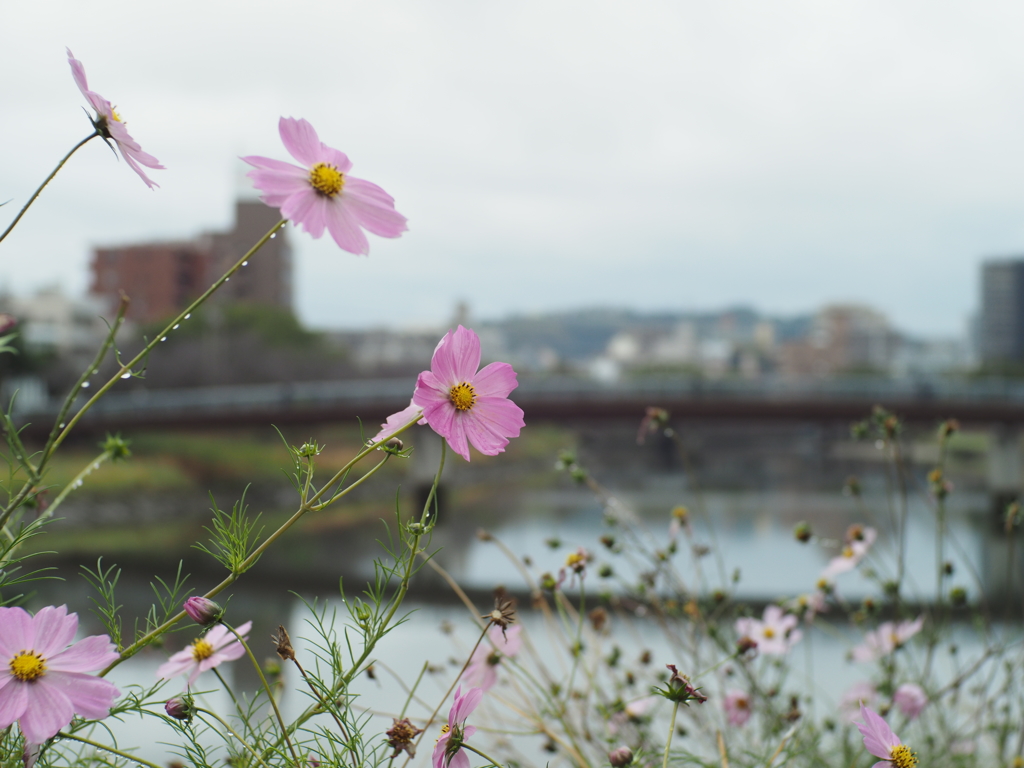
pixel 284 644
pixel 504 612
pixel 401 735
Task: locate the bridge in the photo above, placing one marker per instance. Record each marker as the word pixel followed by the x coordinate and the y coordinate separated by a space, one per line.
pixel 986 403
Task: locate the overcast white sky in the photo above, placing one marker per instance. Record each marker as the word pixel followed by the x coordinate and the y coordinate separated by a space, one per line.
pixel 548 155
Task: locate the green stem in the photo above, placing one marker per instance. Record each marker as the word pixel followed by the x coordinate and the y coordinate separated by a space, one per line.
pixel 270 694
pixel 231 694
pixel 35 473
pixel 355 460
pixel 232 731
pixel 146 639
pixel 433 489
pixel 337 720
pixel 483 754
pixel 49 178
pixel 671 731
pixel 412 691
pixel 430 720
pixel 105 748
pixel 127 367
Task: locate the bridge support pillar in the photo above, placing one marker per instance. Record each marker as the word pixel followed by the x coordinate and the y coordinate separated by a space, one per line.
pixel 1005 485
pixel 426 457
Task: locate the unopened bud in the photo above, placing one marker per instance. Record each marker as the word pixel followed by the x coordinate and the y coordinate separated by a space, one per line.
pixel 620 757
pixel 202 611
pixel 180 708
pixel 802 532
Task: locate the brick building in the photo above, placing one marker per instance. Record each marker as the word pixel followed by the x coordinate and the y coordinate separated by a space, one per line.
pixel 162 278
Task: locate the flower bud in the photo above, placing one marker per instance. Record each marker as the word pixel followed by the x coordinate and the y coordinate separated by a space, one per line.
pixel 802 532
pixel 620 757
pixel 202 611
pixel 180 708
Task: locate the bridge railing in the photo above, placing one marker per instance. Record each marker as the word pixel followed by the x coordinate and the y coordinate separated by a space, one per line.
pixel 395 392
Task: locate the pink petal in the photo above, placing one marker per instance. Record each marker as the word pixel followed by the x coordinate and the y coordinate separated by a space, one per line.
pixel 495 380
pixel 335 157
pixel 464 705
pixel 500 415
pixel 446 422
pixel 180 662
pixel 437 758
pixel 300 139
pixel 878 736
pixel 13 701
pixel 398 420
pixel 87 655
pixel 268 163
pixel 442 364
pixel 307 210
pixel 78 72
pixel 465 350
pixel 229 638
pixel 18 634
pixel 484 439
pixel 53 630
pixel 373 208
pixel 459 760
pixel 90 696
pixel 344 227
pixel 49 709
pixel 430 391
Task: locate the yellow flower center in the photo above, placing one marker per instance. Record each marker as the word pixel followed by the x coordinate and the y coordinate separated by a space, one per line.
pixel 902 757
pixel 769 633
pixel 574 559
pixel 462 396
pixel 28 665
pixel 113 114
pixel 201 650
pixel 847 552
pixel 326 179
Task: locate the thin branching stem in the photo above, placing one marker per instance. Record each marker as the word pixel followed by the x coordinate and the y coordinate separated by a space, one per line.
pixel 49 178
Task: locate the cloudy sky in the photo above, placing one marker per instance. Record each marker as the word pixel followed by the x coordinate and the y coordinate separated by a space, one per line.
pixel 548 154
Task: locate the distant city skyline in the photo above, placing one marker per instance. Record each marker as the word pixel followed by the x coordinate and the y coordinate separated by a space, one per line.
pixel 657 156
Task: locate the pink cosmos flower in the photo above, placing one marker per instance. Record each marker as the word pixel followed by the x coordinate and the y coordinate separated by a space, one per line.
pixel 854 550
pixel 856 696
pixel 887 638
pixel 809 605
pixel 881 742
pixel 109 125
pixel 775 634
pixel 43 680
pixel 632 713
pixel 482 671
pixel 320 194
pixel 216 646
pixel 737 707
pixel 911 699
pixel 448 750
pixel 465 405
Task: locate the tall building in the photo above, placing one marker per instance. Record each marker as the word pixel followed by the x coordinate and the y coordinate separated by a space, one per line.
pixel 161 279
pixel 1001 322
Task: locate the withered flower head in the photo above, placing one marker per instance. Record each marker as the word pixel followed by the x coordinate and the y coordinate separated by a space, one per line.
pixel 745 644
pixel 680 689
pixel 598 618
pixel 401 736
pixel 504 613
pixel 284 644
